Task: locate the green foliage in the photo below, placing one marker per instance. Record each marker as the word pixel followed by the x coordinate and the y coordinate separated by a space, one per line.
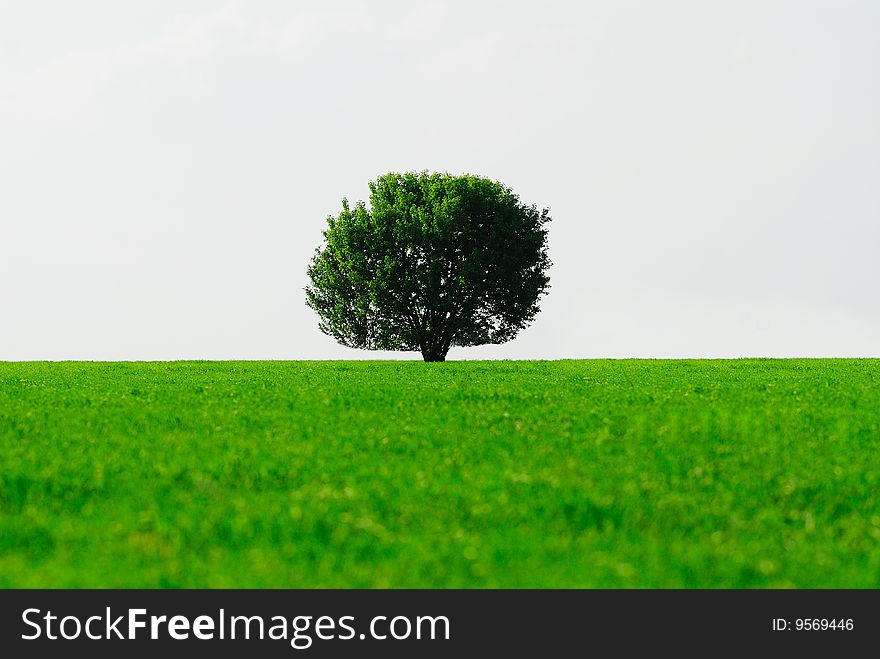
pixel 434 261
pixel 748 473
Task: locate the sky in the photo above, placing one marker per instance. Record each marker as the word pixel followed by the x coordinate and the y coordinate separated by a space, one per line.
pixel 712 168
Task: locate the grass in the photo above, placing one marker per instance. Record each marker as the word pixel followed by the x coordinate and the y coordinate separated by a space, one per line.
pixel 745 473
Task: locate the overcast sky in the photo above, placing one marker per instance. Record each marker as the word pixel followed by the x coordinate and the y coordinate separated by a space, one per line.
pixel 712 168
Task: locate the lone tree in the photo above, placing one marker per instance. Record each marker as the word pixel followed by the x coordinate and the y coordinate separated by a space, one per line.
pixel 434 261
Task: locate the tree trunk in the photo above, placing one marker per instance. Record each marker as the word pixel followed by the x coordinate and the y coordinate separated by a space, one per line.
pixel 434 355
pixel 434 349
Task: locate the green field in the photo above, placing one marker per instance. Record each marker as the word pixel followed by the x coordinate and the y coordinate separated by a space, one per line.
pixel 636 473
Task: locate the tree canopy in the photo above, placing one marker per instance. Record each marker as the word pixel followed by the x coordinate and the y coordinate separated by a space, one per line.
pixel 433 261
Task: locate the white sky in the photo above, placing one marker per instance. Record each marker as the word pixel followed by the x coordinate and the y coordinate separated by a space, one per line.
pixel 712 168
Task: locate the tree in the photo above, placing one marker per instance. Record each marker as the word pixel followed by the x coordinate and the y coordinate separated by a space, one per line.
pixel 434 261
